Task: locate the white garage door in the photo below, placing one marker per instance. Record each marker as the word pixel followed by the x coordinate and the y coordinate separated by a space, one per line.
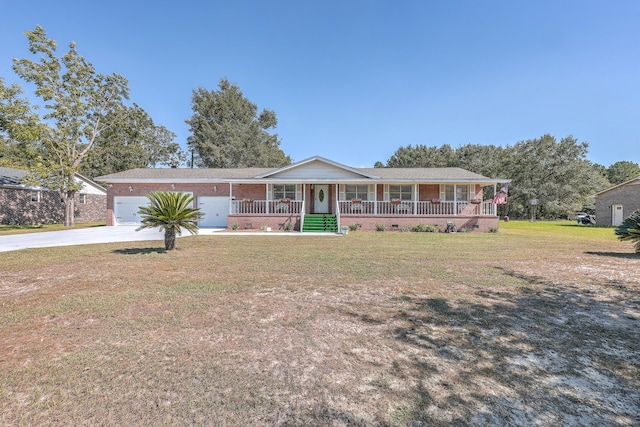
pixel 215 210
pixel 126 209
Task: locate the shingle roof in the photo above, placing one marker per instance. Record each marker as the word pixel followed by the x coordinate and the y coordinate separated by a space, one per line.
pixel 424 173
pixel 265 174
pixel 186 173
pixel 11 176
pixel 428 174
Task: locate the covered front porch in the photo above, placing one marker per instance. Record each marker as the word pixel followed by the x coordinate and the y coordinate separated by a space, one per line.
pixel 285 205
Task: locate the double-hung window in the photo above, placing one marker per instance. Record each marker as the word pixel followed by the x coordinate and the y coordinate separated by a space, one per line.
pixel 284 191
pixel 35 196
pixel 356 191
pixel 461 191
pixel 401 192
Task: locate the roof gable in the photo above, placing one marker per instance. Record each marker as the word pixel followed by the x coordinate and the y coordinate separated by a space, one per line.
pixel 12 177
pixel 317 168
pixel 634 181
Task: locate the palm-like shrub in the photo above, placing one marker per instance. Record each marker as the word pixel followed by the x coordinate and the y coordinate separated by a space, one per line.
pixel 630 229
pixel 170 212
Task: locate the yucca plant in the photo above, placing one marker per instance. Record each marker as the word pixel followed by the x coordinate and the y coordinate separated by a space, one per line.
pixel 170 212
pixel 629 230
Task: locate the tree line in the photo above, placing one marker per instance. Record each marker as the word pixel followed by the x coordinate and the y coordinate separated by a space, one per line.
pixel 85 124
pixel 557 174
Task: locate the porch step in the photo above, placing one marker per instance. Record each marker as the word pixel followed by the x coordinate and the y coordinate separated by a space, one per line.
pixel 320 223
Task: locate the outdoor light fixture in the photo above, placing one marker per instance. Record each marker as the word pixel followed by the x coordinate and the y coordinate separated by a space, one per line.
pixel 173 186
pixel 215 188
pixel 130 189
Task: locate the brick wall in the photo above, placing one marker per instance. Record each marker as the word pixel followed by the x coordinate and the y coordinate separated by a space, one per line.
pixel 16 207
pixel 142 189
pixel 257 191
pixel 481 224
pixel 256 222
pixel 93 210
pixel 627 195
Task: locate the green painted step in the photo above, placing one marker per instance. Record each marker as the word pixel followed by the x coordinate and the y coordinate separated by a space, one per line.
pixel 320 223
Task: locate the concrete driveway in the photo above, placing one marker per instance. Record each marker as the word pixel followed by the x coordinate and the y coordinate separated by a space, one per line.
pixel 81 236
pixel 121 233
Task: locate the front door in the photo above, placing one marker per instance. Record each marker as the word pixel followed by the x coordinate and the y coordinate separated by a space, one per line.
pixel 321 199
pixel 616 215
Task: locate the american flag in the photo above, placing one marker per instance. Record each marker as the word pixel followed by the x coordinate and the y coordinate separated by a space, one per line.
pixel 501 196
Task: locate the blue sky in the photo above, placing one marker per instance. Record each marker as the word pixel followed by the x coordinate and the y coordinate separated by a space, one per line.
pixel 354 80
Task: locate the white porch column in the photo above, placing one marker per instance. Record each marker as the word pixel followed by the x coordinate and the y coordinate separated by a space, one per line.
pixel 494 208
pixel 375 199
pixel 416 194
pixel 230 198
pixel 455 199
pixel 266 198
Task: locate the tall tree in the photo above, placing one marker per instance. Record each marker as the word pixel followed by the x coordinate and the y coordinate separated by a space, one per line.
pixel 19 128
pixel 135 143
pixel 556 173
pixel 422 156
pixel 229 132
pixel 80 103
pixel 622 171
pixel 485 160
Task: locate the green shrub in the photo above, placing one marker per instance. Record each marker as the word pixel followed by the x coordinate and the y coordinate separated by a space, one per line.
pixel 629 230
pixel 354 227
pixel 419 228
pixel 493 229
pixel 405 229
pixel 381 227
pixel 235 226
pixel 170 212
pixel 425 228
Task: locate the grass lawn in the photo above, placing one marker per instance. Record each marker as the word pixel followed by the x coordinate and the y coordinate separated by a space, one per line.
pixel 39 228
pixel 538 324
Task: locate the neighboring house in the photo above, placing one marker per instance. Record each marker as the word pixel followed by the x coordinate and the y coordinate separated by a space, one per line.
pixel 615 204
pixel 22 204
pixel 310 191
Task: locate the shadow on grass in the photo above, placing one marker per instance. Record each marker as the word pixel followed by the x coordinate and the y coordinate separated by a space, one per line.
pixel 139 251
pixel 624 255
pixel 546 351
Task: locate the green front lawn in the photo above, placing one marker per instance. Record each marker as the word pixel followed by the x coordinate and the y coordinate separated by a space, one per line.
pixel 22 229
pixel 537 324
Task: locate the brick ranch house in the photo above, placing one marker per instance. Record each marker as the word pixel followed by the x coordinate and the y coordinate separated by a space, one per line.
pixel 316 189
pixel 21 204
pixel 616 203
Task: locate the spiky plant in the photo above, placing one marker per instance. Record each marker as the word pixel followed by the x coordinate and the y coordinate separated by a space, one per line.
pixel 630 230
pixel 170 212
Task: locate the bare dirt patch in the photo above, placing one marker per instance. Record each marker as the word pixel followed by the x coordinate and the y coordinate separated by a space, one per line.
pixel 370 329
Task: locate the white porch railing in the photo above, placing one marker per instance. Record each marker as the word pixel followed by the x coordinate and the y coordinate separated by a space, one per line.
pixel 266 207
pixel 421 208
pixel 359 208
